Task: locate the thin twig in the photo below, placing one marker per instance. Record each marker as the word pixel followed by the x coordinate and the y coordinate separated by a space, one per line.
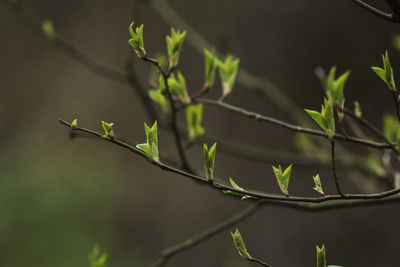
pixel 259 262
pixel 375 11
pixel 255 195
pixel 245 78
pixel 173 122
pixel 334 168
pixel 292 127
pixel 167 253
pixel 368 126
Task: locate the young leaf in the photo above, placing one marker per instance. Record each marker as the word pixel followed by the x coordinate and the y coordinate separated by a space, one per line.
pixel 357 109
pixel 325 119
pixel 386 74
pixel 48 29
pixel 95 259
pixel 209 161
pixel 211 64
pixel 240 246
pixel 391 127
pixel 174 46
pixel 161 100
pixel 179 87
pixel 74 123
pixel 321 258
pixel 109 132
pixel 335 89
pixel 194 114
pixel 228 71
pixel 283 178
pixel 136 40
pixel 151 145
pixel 318 185
pixel 234 185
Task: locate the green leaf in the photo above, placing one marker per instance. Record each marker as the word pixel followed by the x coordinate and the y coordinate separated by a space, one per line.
pixel 321 258
pixel 386 74
pixel 209 161
pixel 136 40
pixel 174 46
pixel 396 41
pixel 317 117
pixel 108 129
pixel 283 178
pixel 235 186
pixel 48 30
pixel 161 100
pixel 151 145
pixel 211 64
pixel 194 114
pixel 391 127
pixel 74 123
pixel 335 89
pixel 179 87
pixel 240 246
pixel 381 73
pixel 357 109
pixel 325 119
pixel 95 259
pixel 318 185
pixel 228 71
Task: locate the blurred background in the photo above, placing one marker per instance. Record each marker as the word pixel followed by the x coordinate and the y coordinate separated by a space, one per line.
pixel 60 196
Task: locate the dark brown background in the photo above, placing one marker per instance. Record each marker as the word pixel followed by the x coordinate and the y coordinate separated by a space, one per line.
pixel 59 197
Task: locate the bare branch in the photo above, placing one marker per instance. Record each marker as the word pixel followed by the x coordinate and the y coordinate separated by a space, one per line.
pixel 375 11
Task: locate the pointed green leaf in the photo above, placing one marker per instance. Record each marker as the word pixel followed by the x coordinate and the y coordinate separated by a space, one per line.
pixel 228 71
pixel 357 109
pixel 240 246
pixel 160 99
pixel 318 185
pixel 74 123
pixel 151 145
pixel 174 46
pixel 108 129
pixel 381 73
pixel 194 114
pixel 321 258
pixel 136 40
pixel 211 64
pixel 95 259
pixel 179 87
pixel 209 161
pixel 317 117
pixel 283 178
pixel 235 186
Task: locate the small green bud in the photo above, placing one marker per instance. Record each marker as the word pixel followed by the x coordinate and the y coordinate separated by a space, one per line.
pixel 74 123
pixel 108 129
pixel 318 185
pixel 211 64
pixel 194 114
pixel 240 246
pixel 95 259
pixel 174 46
pixel 209 161
pixel 48 29
pixel 321 257
pixel 283 178
pixel 228 71
pixel 136 40
pixel 151 145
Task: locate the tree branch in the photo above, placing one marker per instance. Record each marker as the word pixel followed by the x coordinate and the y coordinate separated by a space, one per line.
pixel 255 195
pixel 376 12
pixel 167 253
pixel 292 127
